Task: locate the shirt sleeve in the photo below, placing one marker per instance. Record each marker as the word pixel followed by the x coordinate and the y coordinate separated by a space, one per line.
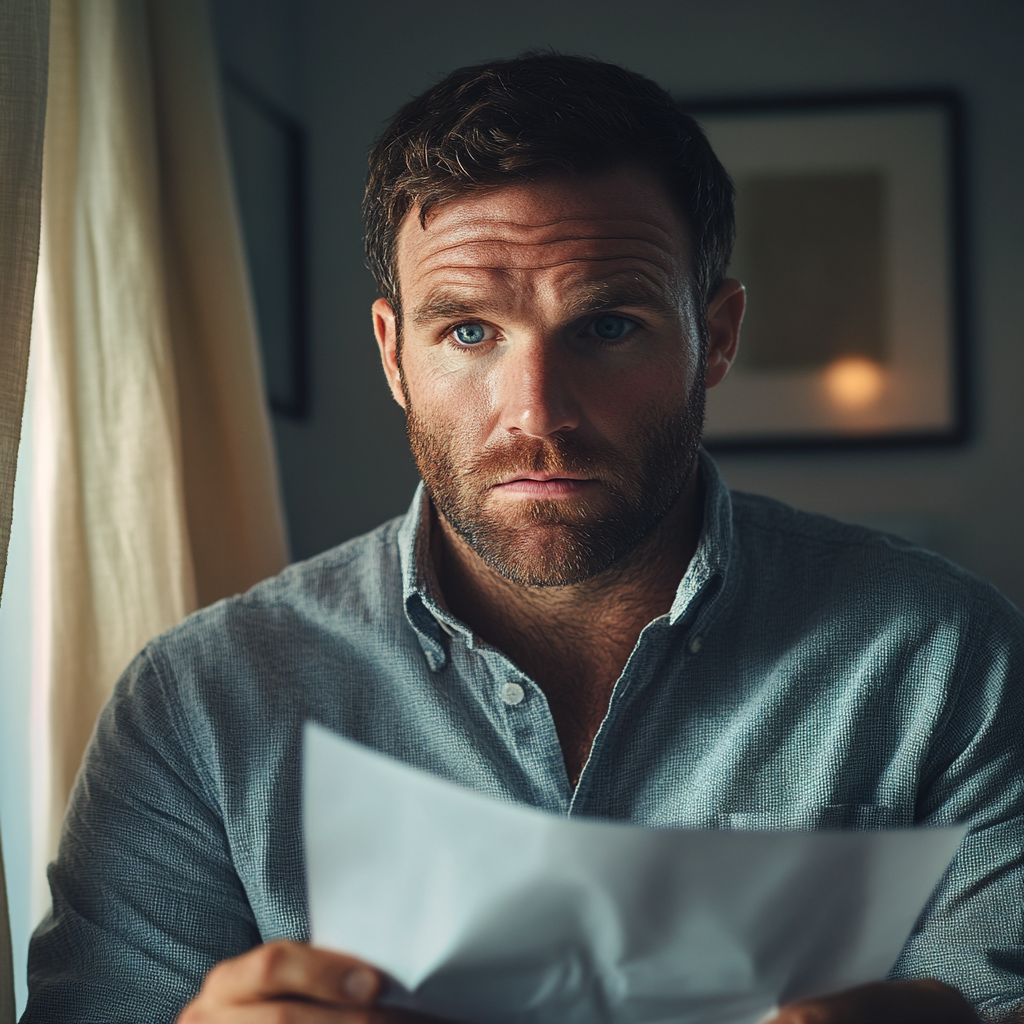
pixel 971 934
pixel 145 896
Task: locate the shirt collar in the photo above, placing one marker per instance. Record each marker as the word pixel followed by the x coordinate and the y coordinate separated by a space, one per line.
pixel 706 573
pixel 420 592
pixel 424 606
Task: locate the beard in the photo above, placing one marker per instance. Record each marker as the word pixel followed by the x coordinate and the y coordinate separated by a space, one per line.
pixel 557 543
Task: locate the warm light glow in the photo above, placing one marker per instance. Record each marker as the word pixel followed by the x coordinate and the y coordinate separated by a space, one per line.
pixel 854 382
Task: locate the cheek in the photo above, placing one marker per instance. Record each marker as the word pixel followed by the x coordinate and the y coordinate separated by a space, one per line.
pixel 450 398
pixel 613 401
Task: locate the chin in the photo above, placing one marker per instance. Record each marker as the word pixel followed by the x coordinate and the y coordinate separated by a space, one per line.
pixel 546 556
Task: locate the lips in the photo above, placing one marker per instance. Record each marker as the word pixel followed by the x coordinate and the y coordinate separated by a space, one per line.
pixel 548 488
pixel 543 465
pixel 542 478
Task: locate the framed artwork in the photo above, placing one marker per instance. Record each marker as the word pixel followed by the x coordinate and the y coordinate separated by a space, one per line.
pixel 268 153
pixel 850 241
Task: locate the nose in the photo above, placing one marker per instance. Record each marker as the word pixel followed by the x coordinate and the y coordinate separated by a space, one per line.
pixel 536 390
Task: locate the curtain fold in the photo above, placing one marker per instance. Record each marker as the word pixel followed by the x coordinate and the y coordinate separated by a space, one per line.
pixel 232 498
pixel 155 486
pixel 23 71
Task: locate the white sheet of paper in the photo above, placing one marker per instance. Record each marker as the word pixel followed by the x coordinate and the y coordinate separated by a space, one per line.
pixel 488 912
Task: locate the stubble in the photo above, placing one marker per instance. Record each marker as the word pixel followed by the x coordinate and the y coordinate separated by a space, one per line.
pixel 552 543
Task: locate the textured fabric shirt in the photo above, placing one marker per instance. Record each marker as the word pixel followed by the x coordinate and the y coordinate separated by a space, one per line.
pixel 809 675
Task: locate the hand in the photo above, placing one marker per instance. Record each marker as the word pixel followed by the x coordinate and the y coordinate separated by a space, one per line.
pixel 884 1002
pixel 292 983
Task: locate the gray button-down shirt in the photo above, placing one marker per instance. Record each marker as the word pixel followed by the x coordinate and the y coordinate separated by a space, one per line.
pixel 809 675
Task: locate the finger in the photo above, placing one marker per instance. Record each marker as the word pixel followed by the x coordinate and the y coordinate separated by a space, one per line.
pixel 919 1001
pixel 279 970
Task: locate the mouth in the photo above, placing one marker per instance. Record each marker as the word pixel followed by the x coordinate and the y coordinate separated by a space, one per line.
pixel 548 486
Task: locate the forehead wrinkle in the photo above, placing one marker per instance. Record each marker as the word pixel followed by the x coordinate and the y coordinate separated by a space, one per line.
pixel 467 278
pixel 511 247
pixel 499 257
pixel 579 260
pixel 480 248
pixel 469 225
pixel 512 243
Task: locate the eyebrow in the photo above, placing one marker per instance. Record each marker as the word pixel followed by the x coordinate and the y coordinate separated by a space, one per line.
pixel 443 307
pixel 600 295
pixel 595 298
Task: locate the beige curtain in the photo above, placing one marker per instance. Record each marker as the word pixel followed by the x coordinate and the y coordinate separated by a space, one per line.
pixel 155 487
pixel 23 50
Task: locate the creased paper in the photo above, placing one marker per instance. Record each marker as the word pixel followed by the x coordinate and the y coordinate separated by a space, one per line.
pixel 487 912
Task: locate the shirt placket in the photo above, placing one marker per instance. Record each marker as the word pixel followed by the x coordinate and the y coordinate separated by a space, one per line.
pixel 521 706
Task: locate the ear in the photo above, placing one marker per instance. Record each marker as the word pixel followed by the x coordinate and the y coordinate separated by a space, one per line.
pixel 384 329
pixel 725 313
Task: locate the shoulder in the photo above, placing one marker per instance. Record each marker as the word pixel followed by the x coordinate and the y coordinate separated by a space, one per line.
pixel 353 580
pixel 829 559
pixel 858 611
pixel 323 618
pixel 245 672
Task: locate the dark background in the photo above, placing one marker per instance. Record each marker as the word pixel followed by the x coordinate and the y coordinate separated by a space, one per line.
pixel 341 69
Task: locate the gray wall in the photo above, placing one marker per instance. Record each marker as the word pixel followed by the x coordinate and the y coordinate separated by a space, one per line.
pixel 344 68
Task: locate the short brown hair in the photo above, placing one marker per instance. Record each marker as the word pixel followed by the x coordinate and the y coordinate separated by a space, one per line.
pixel 515 120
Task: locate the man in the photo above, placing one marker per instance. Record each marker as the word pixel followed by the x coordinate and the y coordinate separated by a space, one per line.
pixel 575 613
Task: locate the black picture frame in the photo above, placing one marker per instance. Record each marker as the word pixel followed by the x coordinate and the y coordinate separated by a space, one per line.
pixel 269 158
pixel 730 118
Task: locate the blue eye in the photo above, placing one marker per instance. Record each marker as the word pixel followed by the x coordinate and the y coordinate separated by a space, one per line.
pixel 469 334
pixel 610 327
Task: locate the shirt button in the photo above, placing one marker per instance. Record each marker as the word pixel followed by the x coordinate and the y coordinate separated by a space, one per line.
pixel 695 644
pixel 512 693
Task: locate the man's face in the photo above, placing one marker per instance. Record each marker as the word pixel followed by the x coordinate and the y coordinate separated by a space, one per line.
pixel 550 368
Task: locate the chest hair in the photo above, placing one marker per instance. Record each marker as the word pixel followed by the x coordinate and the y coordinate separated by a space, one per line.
pixel 577 669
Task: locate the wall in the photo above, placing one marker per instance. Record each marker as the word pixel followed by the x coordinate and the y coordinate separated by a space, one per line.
pixel 344 69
